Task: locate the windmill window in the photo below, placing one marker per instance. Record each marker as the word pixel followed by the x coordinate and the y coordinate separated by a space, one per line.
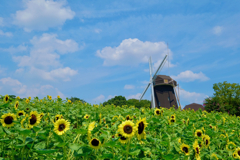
pixel 168 98
pixel 159 104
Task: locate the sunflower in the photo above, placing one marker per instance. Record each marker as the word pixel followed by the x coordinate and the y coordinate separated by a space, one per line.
pixel 183 120
pixel 27 109
pixel 27 101
pixel 50 97
pixel 69 101
pixel 7 119
pixel 237 153
pixel 173 116
pixel 128 117
pixel 122 139
pixel 41 115
pixel 58 96
pixel 6 98
pixel 29 98
pixel 20 113
pixel 196 148
pixel 206 140
pixel 106 126
pixel 86 116
pixel 157 112
pixel 213 155
pixel 179 140
pixel 141 125
pixel 18 97
pixel 187 121
pixel 95 143
pixel 34 119
pixel 23 120
pixel 185 149
pixel 230 146
pixel 198 133
pixel 57 117
pixel 127 129
pixel 90 128
pixel 61 126
pixel 16 105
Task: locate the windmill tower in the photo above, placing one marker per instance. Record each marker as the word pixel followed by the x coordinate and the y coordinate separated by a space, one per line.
pixel 163 92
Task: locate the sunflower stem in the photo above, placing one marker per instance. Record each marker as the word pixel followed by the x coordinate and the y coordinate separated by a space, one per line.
pixel 32 144
pixel 24 139
pixel 129 142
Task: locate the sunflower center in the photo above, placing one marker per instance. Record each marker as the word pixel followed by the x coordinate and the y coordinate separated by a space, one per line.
pixel 86 116
pixel 140 127
pixel 57 118
pixel 61 127
pixel 95 142
pixel 8 120
pixel 206 142
pixel 127 129
pixel 27 108
pixel 157 112
pixel 33 119
pixel 6 98
pixel 128 118
pixel 199 134
pixel 238 153
pixel 17 105
pixel 197 150
pixel 185 149
pixel 172 117
pixel 121 137
pixel 172 120
pixel 210 126
pixel 20 114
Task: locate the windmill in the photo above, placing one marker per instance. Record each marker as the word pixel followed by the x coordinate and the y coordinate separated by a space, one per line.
pixel 163 92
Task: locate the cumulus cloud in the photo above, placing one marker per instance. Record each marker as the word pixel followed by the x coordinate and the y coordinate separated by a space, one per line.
pixel 131 52
pixel 42 14
pixel 189 76
pixel 99 99
pixel 129 86
pixel 8 34
pixel 60 73
pixel 217 30
pixel 136 96
pixel 44 54
pixel 97 30
pixel 17 49
pixel 191 97
pixel 22 90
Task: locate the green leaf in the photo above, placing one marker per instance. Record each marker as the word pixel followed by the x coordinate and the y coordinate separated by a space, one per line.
pixel 44 151
pixel 40 145
pixel 81 131
pixel 57 137
pixel 24 132
pixel 36 128
pixel 134 153
pixel 107 156
pixel 5 140
pixel 59 144
pixel 168 157
pixel 74 146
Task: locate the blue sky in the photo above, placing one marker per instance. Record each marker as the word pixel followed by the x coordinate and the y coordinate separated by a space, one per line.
pixel 95 50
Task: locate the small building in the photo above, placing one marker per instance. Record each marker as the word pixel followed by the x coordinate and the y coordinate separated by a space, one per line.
pixel 194 106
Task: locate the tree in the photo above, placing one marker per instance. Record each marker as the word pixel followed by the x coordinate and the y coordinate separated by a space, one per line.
pixel 117 100
pixel 73 99
pixel 226 98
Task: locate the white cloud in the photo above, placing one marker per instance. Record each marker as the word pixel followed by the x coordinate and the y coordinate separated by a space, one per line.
pixel 19 89
pixel 20 70
pixel 129 86
pixel 18 49
pixel 97 30
pixel 132 52
pixel 60 73
pixel 43 55
pixel 8 34
pixel 42 14
pixel 189 76
pixel 137 96
pixel 99 99
pixel 191 97
pixel 110 97
pixel 217 30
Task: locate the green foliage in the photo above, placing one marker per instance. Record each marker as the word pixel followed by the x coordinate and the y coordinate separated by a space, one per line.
pixel 73 99
pixel 226 98
pixel 120 100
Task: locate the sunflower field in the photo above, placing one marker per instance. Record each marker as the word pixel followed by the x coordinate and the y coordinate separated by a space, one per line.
pixel 49 129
